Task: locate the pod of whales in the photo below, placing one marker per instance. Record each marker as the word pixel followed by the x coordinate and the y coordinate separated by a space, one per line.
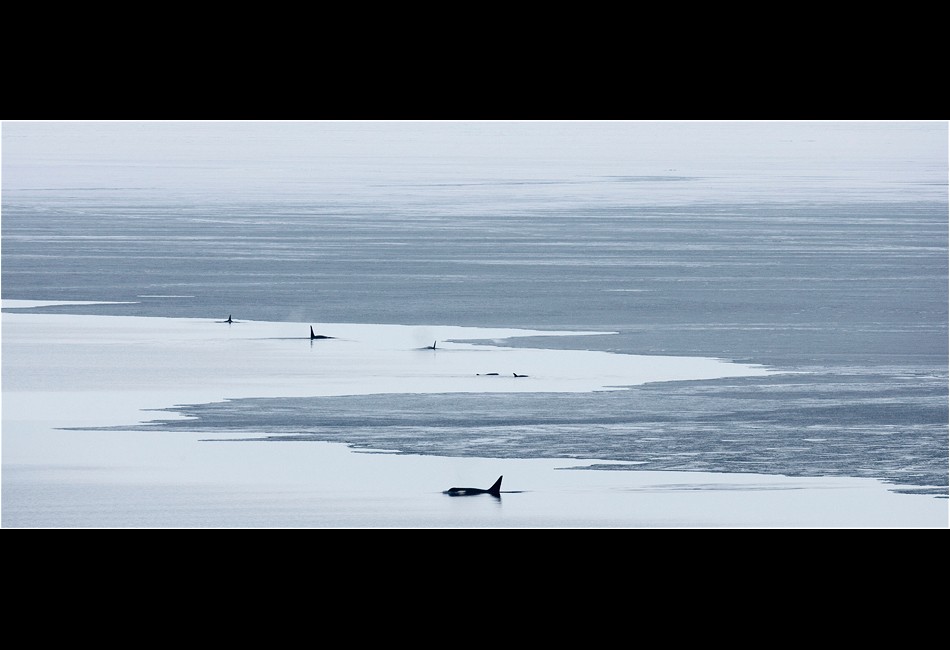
pixel 314 336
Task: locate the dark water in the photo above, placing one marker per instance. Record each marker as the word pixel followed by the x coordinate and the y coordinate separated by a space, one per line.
pixel 842 282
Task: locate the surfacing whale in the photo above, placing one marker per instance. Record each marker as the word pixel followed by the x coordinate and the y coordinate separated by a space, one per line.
pixel 317 336
pixel 494 490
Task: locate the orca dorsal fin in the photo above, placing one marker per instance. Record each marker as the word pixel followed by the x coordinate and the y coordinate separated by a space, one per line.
pixel 496 488
pixel 312 335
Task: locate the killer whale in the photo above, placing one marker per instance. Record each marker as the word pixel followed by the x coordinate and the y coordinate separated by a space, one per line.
pixel 317 336
pixel 229 319
pixel 431 347
pixel 494 490
pixel 517 375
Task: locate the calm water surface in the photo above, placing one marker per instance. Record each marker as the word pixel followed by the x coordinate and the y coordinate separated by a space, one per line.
pixel 817 249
